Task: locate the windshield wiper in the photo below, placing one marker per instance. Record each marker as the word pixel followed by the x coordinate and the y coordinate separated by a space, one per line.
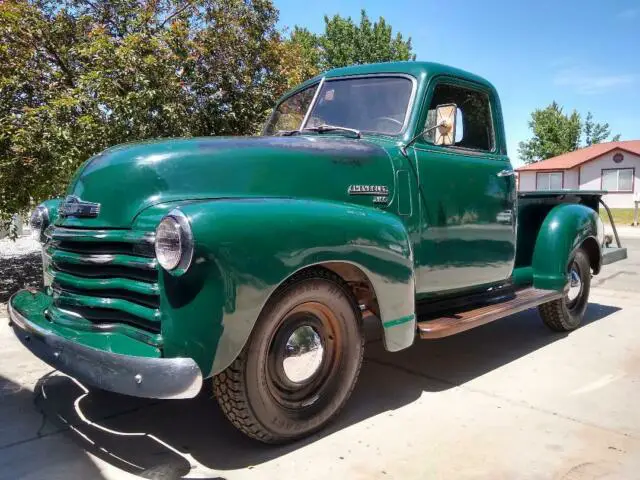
pixel 286 133
pixel 332 128
pixel 319 129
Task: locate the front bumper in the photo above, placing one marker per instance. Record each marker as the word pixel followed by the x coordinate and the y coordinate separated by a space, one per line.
pixel 140 376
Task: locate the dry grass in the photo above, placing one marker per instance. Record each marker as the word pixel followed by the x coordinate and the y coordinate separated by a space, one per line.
pixel 621 216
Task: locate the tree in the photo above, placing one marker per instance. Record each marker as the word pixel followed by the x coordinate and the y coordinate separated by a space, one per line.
pixel 343 43
pixel 77 76
pixel 555 133
pixel 300 56
pixel 596 132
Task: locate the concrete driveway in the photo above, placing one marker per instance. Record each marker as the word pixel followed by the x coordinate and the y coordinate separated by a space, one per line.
pixel 507 400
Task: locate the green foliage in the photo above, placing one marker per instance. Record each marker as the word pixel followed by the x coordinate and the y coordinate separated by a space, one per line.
pixel 344 43
pixel 555 133
pixel 300 56
pixel 77 76
pixel 596 132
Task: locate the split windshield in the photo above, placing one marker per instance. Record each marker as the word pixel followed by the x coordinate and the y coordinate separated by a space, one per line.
pixel 369 104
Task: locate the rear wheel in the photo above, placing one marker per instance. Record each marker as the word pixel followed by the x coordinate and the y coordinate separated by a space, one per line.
pixel 565 314
pixel 300 364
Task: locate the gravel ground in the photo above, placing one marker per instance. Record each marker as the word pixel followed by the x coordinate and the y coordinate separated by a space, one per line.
pixel 20 266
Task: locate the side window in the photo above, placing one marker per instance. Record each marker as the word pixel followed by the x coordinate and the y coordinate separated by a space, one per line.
pixel 474 125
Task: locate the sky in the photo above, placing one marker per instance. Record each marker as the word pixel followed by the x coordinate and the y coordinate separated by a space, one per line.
pixel 584 54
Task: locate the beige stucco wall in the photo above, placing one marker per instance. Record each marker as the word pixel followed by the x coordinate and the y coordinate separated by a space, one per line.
pixel 527 182
pixel 571 179
pixel 591 173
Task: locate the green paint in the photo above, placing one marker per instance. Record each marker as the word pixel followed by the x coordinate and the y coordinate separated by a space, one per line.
pixel 264 208
pixel 118 260
pixel 73 299
pixel 564 229
pixel 33 307
pixel 399 321
pixel 522 276
pixel 104 283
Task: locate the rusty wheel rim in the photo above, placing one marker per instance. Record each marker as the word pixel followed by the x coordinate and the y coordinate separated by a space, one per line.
pixel 301 389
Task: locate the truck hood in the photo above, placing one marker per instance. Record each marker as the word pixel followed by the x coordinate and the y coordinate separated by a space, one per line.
pixel 129 178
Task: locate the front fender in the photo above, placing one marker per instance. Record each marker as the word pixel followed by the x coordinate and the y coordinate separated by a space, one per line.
pixel 244 249
pixel 564 229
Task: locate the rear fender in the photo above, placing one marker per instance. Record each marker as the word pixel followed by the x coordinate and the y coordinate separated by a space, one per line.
pixel 245 249
pixel 565 228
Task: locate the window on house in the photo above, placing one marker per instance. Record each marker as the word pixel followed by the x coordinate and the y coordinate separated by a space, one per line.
pixel 617 180
pixel 549 181
pixel 474 125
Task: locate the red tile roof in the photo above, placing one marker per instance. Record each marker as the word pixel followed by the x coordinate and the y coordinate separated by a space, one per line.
pixel 570 160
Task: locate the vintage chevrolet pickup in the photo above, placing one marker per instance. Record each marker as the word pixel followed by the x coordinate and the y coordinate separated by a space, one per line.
pixel 376 191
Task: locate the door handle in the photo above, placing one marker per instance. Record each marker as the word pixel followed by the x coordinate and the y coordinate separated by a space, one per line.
pixel 506 173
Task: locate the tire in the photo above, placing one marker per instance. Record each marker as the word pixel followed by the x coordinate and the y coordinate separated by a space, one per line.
pixel 565 314
pixel 277 390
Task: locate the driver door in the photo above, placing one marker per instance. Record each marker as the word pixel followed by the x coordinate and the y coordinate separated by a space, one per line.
pixel 467 207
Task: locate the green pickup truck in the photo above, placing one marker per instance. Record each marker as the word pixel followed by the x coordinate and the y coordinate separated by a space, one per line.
pixel 381 192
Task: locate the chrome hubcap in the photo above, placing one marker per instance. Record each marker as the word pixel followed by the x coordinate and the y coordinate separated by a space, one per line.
pixel 303 354
pixel 575 284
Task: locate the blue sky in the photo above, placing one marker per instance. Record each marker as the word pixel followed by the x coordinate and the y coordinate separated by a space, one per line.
pixel 583 54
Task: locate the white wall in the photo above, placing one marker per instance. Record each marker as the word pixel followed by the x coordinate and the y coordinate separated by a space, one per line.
pixel 527 181
pixel 591 173
pixel 571 179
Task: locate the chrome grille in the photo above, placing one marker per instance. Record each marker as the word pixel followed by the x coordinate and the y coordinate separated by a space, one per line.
pixel 103 277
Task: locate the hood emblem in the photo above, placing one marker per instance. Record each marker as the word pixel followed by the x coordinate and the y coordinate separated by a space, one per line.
pixel 380 193
pixel 74 206
pixel 368 190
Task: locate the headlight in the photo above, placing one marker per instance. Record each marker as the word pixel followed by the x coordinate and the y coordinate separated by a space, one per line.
pixel 39 221
pixel 600 231
pixel 174 242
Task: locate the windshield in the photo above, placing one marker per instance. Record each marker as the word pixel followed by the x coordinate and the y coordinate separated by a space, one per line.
pixel 371 104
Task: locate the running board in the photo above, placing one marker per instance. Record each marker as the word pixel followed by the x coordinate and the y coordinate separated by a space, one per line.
pixel 459 322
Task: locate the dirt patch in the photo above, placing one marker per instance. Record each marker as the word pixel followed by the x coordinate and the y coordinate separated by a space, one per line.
pixel 19 271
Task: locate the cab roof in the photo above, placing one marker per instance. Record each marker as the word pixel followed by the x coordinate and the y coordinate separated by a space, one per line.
pixel 415 69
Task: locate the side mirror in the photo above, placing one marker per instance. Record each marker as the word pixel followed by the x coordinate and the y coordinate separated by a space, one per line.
pixel 441 125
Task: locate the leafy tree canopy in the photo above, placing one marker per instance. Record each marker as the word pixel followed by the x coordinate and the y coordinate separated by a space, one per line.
pixel 77 76
pixel 555 133
pixel 343 43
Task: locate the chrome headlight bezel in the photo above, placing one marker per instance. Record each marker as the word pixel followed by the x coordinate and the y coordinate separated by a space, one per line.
pixel 39 221
pixel 176 225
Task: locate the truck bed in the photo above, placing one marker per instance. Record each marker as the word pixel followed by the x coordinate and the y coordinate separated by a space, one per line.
pixel 533 207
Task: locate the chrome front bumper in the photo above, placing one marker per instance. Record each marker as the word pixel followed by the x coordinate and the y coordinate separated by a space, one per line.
pixel 165 378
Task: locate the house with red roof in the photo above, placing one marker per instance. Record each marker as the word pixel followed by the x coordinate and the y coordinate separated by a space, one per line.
pixel 612 166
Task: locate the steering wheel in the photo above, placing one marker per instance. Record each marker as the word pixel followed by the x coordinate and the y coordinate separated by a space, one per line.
pixel 391 120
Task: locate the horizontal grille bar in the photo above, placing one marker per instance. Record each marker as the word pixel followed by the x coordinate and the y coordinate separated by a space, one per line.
pixel 106 321
pixel 103 277
pixel 103 259
pixel 142 288
pixel 61 297
pixel 82 235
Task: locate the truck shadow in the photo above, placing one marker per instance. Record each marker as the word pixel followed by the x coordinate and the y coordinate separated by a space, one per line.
pixel 25 441
pixel 170 439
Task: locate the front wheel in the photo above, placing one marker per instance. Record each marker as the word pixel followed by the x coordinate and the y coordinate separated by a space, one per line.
pixel 300 364
pixel 565 314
